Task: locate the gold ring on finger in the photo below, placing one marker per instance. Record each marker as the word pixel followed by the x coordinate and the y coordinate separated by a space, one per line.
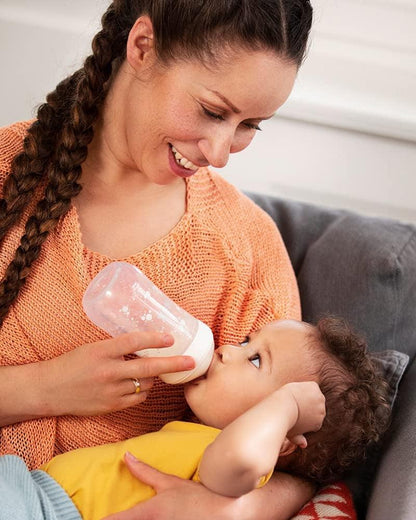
pixel 137 387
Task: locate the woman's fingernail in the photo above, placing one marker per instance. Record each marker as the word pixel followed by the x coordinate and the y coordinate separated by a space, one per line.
pixel 168 339
pixel 189 362
pixel 130 456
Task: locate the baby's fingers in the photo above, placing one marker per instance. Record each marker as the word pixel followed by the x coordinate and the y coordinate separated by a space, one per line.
pixel 299 440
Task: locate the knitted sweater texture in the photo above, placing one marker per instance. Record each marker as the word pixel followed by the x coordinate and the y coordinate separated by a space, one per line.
pixel 224 262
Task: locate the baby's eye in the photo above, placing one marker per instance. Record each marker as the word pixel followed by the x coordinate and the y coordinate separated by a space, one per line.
pixel 256 360
pixel 245 342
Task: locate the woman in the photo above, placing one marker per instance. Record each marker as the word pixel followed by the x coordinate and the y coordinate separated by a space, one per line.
pixel 115 167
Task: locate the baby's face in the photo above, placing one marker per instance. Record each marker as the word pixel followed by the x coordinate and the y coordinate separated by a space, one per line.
pixel 242 375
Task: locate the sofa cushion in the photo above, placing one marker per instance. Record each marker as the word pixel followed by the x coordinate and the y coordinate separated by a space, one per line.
pixel 349 265
pixel 392 365
pixel 333 502
pixel 364 270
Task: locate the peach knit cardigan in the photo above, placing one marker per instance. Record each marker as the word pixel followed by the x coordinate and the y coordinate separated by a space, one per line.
pixel 224 262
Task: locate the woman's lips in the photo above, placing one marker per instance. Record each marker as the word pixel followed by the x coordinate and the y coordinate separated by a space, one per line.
pixel 181 160
pixel 178 169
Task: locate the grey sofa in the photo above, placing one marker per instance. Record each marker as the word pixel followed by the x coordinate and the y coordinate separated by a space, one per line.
pixel 364 269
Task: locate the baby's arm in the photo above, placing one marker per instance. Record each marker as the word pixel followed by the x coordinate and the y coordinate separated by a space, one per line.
pixel 248 448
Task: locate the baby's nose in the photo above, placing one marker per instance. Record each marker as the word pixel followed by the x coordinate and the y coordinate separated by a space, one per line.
pixel 227 353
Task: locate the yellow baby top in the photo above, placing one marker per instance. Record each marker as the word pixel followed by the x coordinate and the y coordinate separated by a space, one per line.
pixel 99 483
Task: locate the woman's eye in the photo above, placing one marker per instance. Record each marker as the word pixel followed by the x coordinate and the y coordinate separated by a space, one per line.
pixel 219 117
pixel 212 114
pixel 256 359
pixel 252 126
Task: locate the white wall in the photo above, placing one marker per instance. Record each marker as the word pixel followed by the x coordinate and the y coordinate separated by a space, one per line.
pixel 347 136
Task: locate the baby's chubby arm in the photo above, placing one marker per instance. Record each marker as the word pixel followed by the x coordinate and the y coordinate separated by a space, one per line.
pixel 247 449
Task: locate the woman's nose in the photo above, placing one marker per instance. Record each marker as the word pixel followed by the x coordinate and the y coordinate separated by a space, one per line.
pixel 217 147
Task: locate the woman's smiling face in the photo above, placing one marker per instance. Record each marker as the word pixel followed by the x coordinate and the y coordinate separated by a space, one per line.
pixel 242 375
pixel 190 114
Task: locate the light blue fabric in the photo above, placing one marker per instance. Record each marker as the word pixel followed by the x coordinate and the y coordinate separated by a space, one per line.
pixel 31 495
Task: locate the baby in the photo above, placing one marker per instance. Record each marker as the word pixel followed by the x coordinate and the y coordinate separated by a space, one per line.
pixel 260 406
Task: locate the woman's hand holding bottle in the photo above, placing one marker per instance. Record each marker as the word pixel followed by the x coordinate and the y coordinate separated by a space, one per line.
pixel 96 378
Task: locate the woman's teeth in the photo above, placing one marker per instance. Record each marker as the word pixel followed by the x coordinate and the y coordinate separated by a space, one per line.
pixel 183 161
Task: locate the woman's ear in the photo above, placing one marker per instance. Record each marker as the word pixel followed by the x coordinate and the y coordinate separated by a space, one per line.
pixel 140 43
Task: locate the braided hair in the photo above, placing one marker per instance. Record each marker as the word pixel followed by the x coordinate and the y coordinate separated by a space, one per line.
pixel 57 142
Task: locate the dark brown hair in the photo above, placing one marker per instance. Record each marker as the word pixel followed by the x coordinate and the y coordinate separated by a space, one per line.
pixel 357 409
pixel 57 142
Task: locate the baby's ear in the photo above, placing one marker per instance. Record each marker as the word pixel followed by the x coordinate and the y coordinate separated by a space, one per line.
pixel 288 447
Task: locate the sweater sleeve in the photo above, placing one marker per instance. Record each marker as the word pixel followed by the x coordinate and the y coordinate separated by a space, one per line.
pixel 11 143
pixel 262 285
pixel 273 292
pixel 273 272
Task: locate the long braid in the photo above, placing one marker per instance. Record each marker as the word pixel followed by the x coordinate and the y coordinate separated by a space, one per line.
pixel 27 171
pixel 54 150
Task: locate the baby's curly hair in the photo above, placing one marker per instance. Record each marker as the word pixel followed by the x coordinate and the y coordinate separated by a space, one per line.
pixel 357 409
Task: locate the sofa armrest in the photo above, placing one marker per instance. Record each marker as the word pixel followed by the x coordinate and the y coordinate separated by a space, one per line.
pixel 364 269
pixel 394 490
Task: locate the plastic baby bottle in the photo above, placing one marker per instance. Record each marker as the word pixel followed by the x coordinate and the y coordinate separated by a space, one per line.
pixel 122 299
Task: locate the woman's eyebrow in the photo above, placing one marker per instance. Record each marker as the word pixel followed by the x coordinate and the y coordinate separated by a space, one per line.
pixel 226 101
pixel 234 108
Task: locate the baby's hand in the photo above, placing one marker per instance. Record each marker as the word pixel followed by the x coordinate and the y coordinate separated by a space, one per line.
pixel 310 403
